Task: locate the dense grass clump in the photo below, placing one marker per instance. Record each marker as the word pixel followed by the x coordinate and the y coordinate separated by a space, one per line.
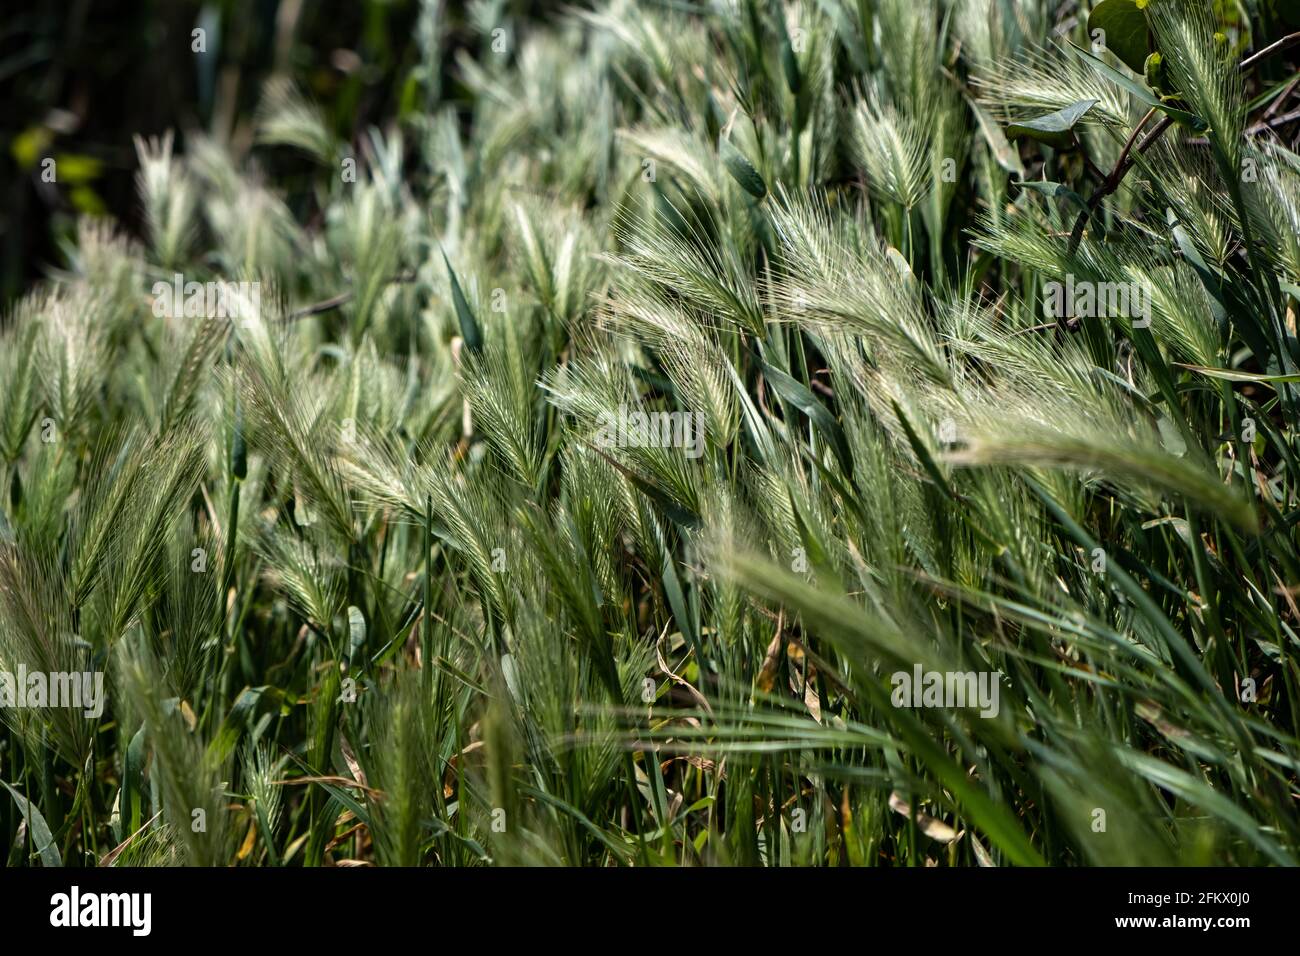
pixel 581 469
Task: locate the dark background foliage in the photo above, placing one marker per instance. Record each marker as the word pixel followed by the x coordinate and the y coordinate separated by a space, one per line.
pixel 79 79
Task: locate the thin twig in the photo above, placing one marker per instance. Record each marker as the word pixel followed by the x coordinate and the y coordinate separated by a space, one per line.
pixel 1277 47
pixel 326 305
pixel 1111 183
pixel 1282 97
pixel 1274 122
pixel 317 308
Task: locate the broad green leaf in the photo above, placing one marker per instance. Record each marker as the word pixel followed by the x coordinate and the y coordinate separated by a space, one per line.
pixel 1054 129
pixel 798 395
pixel 789 62
pixel 1125 31
pixel 469 327
pixel 130 806
pixel 742 170
pixel 356 632
pixel 38 828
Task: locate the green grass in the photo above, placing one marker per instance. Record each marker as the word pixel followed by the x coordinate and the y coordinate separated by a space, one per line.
pixel 367 586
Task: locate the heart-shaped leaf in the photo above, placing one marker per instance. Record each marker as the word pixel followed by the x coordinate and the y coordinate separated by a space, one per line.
pixel 1124 31
pixel 1054 129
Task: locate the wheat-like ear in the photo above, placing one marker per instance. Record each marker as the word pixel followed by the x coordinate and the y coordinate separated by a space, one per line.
pixel 169 199
pixel 73 349
pixel 1189 183
pixel 992 33
pixel 192 365
pixel 262 773
pixel 142 524
pixel 191 776
pixel 297 568
pixel 710 274
pixel 1274 207
pixel 189 610
pixel 293 433
pixel 1048 406
pixel 371 236
pixel 212 165
pixel 37 634
pixel 679 152
pixel 834 278
pixel 1202 70
pixel 499 389
pixel 891 146
pixel 255 231
pixel 557 251
pixel 287 118
pixel 474 516
pixel 403 772
pixel 600 393
pixel 116 465
pixel 19 340
pixel 909 54
pixel 1043 80
pixel 656 38
pixel 1036 237
pixel 689 349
